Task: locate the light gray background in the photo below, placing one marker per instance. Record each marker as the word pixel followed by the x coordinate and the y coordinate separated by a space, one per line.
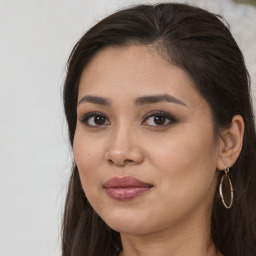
pixel 36 38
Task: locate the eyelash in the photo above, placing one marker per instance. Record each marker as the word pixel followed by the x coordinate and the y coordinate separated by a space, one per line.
pixel 167 116
pixel 154 114
pixel 86 117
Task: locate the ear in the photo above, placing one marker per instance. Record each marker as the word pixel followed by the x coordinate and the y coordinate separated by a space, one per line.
pixel 230 143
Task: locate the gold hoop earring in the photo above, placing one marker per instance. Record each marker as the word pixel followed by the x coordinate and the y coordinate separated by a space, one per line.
pixel 224 184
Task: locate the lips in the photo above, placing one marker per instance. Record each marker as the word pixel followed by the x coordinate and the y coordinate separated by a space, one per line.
pixel 125 188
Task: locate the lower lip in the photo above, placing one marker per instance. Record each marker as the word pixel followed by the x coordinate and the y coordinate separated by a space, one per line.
pixel 126 193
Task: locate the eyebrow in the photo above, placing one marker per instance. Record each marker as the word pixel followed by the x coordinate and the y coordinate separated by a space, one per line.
pixel 158 98
pixel 150 99
pixel 95 100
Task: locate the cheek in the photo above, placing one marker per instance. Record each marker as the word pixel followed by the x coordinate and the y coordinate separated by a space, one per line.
pixel 184 147
pixel 88 156
pixel 183 153
pixel 186 164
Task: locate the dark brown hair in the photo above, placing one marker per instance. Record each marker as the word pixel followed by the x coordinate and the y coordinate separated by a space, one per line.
pixel 198 42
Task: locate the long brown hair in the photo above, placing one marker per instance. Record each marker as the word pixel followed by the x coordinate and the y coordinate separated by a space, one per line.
pixel 198 42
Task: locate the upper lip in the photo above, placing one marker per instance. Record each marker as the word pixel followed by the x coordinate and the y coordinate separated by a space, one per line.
pixel 125 182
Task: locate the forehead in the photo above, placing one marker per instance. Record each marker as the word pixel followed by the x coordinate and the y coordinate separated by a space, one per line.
pixel 134 71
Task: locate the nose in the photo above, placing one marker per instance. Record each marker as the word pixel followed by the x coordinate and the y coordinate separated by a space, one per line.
pixel 124 148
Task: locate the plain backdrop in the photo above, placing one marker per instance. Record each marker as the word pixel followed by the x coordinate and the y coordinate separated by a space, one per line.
pixel 36 38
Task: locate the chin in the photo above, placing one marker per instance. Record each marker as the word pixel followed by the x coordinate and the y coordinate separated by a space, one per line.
pixel 128 223
pixel 128 228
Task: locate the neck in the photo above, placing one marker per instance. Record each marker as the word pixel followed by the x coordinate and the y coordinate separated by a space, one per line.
pixel 189 238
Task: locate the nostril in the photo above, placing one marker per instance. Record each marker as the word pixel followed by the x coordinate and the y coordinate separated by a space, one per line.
pixel 127 161
pixel 110 161
pixel 120 162
pixel 124 157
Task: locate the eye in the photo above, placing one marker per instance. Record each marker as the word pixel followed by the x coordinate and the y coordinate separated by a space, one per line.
pixel 159 119
pixel 95 119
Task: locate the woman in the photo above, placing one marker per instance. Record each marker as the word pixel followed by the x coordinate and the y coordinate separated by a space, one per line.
pixel 161 125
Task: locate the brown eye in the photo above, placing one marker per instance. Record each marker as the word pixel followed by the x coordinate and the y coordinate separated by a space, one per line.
pixel 99 120
pixel 94 119
pixel 159 119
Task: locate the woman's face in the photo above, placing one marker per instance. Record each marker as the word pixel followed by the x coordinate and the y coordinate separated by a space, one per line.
pixel 141 118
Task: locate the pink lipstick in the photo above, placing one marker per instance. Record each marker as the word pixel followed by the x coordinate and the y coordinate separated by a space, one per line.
pixel 125 188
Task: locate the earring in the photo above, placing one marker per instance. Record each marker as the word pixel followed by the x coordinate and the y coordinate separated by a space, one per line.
pixel 224 184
